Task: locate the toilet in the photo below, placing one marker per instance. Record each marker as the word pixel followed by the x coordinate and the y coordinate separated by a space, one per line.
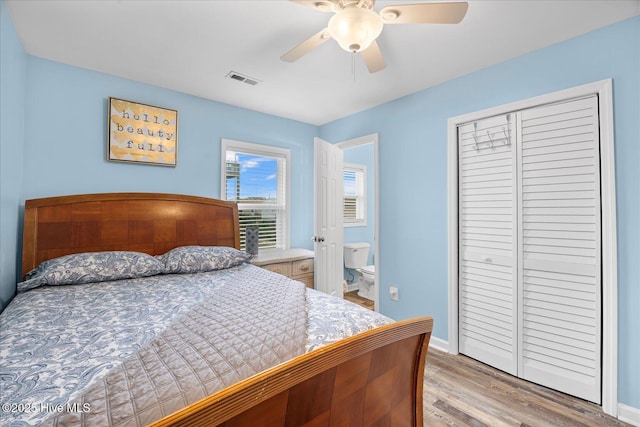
pixel 356 256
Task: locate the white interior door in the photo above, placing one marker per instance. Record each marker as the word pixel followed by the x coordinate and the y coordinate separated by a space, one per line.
pixel 488 242
pixel 328 221
pixel 560 250
pixel 530 245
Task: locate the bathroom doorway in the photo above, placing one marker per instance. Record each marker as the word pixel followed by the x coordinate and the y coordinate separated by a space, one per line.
pixel 360 160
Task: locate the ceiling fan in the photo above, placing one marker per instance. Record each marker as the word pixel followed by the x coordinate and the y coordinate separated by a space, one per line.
pixel 355 25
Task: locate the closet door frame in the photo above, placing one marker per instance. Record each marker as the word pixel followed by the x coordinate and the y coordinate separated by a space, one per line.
pixel 603 89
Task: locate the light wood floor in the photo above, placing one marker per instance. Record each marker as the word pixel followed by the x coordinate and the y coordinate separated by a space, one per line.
pixel 354 297
pixel 460 391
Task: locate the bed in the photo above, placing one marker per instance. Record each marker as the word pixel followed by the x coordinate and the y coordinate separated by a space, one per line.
pixel 139 309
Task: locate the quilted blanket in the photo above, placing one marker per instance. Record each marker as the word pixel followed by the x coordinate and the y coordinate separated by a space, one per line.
pixel 57 342
pixel 237 331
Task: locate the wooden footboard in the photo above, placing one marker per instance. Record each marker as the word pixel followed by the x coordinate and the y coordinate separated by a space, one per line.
pixel 374 378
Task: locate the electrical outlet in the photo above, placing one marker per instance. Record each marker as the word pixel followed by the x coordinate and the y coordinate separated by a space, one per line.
pixel 393 292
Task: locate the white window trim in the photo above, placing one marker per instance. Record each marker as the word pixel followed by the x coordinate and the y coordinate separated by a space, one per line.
pixel 261 150
pixel 363 170
pixel 604 90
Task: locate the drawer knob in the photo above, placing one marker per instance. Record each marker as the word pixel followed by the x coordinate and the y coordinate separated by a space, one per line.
pixel 304 267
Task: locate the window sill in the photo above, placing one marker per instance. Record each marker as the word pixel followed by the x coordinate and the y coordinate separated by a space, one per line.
pixel 355 224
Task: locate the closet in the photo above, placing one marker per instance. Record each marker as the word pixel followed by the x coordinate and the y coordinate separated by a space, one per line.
pixel 529 242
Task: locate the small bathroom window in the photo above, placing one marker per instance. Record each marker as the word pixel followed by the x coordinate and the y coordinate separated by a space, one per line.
pixel 355 195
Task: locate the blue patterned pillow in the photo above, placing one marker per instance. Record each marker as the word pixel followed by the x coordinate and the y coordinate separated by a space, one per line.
pixel 90 267
pixel 194 259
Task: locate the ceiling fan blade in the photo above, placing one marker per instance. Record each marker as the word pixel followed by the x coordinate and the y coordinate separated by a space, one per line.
pixel 372 57
pixel 306 46
pixel 425 13
pixel 321 5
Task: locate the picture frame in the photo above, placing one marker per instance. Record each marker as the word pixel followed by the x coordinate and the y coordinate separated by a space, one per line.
pixel 141 133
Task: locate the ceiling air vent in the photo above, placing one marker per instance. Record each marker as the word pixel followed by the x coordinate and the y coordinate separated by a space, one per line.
pixel 242 78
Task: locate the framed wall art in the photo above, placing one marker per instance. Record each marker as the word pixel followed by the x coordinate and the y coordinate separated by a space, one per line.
pixel 140 133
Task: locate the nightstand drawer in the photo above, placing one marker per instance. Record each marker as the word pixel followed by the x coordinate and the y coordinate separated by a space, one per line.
pixel 303 266
pixel 295 263
pixel 307 279
pixel 283 268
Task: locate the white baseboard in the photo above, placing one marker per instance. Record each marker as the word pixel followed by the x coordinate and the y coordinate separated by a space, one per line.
pixel 349 286
pixel 439 344
pixel 629 414
pixel 353 287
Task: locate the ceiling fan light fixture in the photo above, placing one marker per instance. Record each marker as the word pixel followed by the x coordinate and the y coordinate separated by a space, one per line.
pixel 354 28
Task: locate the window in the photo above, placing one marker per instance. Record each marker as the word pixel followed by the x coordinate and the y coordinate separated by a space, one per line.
pixel 257 178
pixel 355 196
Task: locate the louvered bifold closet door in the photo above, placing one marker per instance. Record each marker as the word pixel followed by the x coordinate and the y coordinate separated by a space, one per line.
pixel 560 308
pixel 487 244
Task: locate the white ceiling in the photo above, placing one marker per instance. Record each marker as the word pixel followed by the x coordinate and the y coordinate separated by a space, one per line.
pixel 190 46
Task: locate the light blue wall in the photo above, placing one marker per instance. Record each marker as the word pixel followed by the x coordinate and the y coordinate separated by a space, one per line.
pixel 65 138
pixel 413 167
pixel 13 61
pixel 363 155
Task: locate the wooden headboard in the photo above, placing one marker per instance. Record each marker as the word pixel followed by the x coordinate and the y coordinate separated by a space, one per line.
pixel 152 223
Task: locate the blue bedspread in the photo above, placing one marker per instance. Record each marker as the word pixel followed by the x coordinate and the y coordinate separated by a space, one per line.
pixel 56 341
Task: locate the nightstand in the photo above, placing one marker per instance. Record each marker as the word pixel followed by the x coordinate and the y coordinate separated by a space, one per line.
pixel 294 263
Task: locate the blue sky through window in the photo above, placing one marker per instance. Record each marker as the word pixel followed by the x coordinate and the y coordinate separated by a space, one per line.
pixel 257 177
pixel 350 187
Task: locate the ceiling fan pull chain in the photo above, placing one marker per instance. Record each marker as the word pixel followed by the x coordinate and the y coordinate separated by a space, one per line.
pixel 353 65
